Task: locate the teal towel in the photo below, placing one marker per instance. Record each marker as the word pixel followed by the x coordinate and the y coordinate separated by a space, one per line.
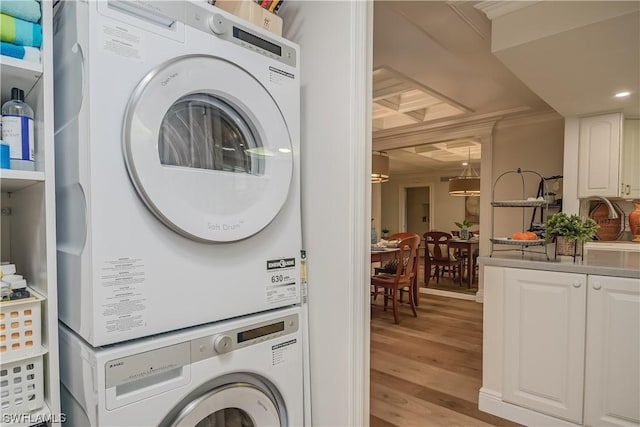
pixel 29 10
pixel 20 32
pixel 27 53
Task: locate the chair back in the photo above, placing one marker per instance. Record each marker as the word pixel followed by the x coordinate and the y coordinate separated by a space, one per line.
pixel 407 267
pixel 438 245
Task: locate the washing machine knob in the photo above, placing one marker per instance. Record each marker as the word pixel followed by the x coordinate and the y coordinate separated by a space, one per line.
pixel 222 344
pixel 218 24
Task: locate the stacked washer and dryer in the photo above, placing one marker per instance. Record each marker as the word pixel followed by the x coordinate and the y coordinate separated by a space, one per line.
pixel 178 216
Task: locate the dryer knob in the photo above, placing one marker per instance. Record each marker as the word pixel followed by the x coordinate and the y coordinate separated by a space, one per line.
pixel 222 344
pixel 218 24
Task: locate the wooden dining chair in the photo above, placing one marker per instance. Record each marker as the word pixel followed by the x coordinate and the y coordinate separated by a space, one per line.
pixel 439 257
pixel 390 267
pixel 402 278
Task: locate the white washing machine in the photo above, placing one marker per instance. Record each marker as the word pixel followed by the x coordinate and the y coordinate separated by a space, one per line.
pixel 243 372
pixel 177 167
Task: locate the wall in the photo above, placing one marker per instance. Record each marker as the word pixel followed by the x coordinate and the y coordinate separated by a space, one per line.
pixel 536 147
pixel 418 210
pixel 446 209
pixel 335 42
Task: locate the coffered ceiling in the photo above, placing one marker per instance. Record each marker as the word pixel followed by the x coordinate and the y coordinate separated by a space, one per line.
pixel 432 64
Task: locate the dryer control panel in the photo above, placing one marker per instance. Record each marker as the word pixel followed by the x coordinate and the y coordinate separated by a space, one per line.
pixel 222 25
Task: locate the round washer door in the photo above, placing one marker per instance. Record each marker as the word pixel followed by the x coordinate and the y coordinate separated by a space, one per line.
pixel 234 405
pixel 207 149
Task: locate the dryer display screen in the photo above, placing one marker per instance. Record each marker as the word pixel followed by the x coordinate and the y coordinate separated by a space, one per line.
pixel 260 332
pixel 256 41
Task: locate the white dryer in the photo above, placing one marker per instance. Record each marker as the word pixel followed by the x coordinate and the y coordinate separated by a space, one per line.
pixel 177 167
pixel 244 372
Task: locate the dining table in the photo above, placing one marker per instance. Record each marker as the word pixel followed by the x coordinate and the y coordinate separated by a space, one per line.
pixel 467 246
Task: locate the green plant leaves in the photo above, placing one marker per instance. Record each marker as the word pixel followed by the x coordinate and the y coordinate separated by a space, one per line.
pixel 570 226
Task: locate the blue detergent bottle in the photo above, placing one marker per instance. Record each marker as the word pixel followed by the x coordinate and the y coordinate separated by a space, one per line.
pixel 17 131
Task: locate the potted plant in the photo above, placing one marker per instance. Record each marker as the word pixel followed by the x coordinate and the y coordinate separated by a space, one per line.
pixel 385 233
pixel 464 229
pixel 569 232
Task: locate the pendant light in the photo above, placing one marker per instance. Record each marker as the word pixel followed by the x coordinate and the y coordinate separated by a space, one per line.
pixel 467 184
pixel 379 167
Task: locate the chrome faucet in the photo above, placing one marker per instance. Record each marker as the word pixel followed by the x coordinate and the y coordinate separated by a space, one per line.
pixel 612 212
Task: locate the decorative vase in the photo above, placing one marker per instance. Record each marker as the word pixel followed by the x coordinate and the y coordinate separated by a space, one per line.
pixel 634 222
pixel 464 234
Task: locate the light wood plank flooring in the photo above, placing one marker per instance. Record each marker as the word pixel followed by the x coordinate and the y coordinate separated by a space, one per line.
pixel 427 371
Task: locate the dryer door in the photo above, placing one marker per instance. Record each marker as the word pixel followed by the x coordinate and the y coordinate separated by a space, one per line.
pixel 207 149
pixel 234 405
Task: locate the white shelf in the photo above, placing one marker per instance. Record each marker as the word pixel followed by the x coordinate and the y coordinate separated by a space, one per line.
pixel 12 180
pixel 18 73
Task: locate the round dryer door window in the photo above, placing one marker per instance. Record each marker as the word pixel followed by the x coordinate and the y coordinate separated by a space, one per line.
pixel 207 149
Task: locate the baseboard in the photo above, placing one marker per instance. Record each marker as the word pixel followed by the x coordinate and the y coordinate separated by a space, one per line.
pixel 491 402
pixel 450 294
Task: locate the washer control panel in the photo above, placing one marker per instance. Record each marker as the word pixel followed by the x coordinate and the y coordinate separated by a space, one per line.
pixel 228 341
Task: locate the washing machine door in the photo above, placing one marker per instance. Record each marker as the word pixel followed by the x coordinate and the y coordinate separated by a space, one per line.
pixel 234 405
pixel 207 149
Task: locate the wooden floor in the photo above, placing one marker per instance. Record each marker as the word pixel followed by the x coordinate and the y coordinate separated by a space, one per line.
pixel 427 371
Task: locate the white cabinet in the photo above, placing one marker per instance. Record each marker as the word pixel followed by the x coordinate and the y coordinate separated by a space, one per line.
pixel 608 157
pixel 28 237
pixel 612 383
pixel 570 349
pixel 630 160
pixel 544 341
pixel 599 155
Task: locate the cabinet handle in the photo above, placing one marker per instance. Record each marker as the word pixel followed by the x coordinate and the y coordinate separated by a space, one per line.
pixel 597 286
pixel 577 284
pixel 628 189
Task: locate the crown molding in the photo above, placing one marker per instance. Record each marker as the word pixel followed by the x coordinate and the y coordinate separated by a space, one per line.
pixel 495 9
pixel 450 129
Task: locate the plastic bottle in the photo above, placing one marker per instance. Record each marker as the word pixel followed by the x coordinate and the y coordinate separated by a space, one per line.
pixel 17 130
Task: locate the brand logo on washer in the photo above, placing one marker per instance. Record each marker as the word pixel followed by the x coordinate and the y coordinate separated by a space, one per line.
pixel 115 364
pixel 276 264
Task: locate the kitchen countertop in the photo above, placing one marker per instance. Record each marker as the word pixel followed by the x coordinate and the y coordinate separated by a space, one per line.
pixel 604 263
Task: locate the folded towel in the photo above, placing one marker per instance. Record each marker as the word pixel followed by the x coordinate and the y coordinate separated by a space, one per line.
pixel 20 32
pixel 27 53
pixel 29 10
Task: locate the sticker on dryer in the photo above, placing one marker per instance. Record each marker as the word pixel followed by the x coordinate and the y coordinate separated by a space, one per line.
pixel 123 283
pixel 279 76
pixel 121 41
pixel 283 352
pixel 282 283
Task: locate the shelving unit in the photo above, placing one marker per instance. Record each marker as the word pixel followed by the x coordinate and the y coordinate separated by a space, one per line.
pixel 28 236
pixel 507 243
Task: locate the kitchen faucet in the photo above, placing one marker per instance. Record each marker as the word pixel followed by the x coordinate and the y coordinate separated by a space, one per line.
pixel 612 212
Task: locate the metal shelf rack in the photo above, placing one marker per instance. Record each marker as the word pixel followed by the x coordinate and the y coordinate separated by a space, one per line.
pixel 518 245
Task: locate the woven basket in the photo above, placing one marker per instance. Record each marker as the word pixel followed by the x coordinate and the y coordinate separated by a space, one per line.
pixel 566 247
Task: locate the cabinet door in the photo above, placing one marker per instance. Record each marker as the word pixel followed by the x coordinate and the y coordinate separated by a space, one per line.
pixel 630 174
pixel 544 325
pixel 612 383
pixel 599 155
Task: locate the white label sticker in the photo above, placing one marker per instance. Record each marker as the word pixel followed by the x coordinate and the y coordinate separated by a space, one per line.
pixel 121 41
pixel 282 353
pixel 123 280
pixel 282 283
pixel 280 77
